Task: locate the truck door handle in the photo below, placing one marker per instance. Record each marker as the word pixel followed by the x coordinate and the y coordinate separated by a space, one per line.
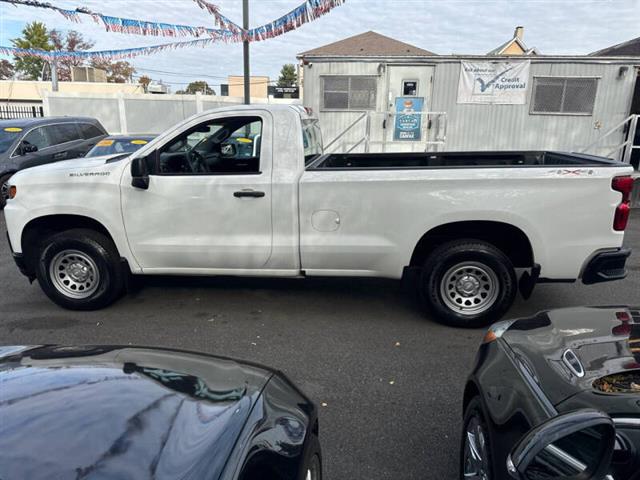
pixel 248 193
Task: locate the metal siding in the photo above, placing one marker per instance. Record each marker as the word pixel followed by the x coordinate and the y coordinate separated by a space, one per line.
pixel 497 127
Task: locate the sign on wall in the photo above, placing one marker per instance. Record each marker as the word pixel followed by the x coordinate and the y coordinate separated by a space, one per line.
pixel 408 124
pixel 494 82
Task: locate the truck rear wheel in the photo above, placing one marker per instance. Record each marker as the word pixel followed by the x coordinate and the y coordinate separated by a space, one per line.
pixel 80 270
pixel 468 283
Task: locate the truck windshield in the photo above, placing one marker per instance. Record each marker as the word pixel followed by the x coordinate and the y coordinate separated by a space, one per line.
pixel 311 139
pixel 7 137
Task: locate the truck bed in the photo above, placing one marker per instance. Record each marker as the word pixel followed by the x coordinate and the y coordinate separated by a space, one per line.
pixel 339 161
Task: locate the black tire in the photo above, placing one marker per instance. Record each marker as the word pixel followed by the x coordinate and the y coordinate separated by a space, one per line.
pixel 313 460
pixel 475 411
pixel 4 190
pixel 94 251
pixel 491 283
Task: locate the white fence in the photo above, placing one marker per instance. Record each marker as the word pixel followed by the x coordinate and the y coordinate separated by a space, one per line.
pixel 139 113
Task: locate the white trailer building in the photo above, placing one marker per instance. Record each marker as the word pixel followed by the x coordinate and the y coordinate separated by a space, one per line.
pixel 376 93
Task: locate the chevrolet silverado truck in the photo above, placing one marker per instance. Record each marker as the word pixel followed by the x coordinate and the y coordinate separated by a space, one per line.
pixel 247 190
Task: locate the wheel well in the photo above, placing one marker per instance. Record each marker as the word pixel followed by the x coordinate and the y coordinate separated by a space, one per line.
pixel 40 228
pixel 512 241
pixel 470 391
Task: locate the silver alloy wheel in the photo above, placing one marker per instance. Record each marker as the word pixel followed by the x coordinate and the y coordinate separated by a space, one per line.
pixel 476 458
pixel 74 274
pixel 469 288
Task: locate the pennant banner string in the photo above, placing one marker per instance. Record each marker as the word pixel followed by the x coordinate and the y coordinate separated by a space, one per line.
pixel 53 55
pixel 229 31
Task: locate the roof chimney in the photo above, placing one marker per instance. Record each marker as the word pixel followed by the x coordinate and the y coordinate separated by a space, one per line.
pixel 519 33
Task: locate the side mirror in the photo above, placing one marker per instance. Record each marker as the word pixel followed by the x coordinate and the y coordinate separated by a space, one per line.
pixel 574 446
pixel 27 148
pixel 140 173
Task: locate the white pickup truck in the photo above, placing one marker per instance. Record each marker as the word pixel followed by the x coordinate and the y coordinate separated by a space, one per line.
pixel 247 190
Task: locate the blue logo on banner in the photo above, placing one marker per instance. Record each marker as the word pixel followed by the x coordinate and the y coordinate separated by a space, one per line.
pixel 408 125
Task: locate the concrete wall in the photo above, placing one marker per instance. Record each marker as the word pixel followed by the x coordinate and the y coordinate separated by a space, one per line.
pixel 33 91
pixel 139 113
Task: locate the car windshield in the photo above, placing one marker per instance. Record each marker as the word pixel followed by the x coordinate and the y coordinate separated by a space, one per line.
pixel 110 146
pixel 7 137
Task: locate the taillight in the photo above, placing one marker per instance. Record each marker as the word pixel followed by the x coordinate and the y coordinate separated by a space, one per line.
pixel 623 185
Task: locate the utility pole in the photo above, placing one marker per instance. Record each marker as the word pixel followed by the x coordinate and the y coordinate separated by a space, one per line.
pixel 245 53
pixel 54 75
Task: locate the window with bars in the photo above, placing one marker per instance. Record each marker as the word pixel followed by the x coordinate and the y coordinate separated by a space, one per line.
pixel 558 95
pixel 341 92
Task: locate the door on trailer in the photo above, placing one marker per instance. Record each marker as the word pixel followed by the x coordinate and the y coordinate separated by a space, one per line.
pixel 409 90
pixel 635 110
pixel 208 202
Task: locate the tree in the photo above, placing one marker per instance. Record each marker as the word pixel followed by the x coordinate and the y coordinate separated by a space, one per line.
pixel 117 72
pixel 197 86
pixel 34 35
pixel 288 77
pixel 6 69
pixel 144 81
pixel 71 41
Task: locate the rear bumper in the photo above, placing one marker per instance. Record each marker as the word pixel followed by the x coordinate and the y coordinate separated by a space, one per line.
pixel 606 266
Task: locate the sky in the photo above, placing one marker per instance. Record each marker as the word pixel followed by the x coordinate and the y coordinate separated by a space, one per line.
pixel 441 26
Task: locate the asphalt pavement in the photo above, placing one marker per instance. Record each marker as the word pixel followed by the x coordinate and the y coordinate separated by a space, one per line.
pixel 388 379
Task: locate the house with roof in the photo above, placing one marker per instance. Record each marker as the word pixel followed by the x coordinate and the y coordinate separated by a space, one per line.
pixel 376 93
pixel 630 48
pixel 514 46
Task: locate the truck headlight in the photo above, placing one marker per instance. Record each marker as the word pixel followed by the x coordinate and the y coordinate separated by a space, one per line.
pixel 13 191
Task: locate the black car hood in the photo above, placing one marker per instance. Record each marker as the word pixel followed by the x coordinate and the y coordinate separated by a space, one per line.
pixel 121 412
pixel 598 337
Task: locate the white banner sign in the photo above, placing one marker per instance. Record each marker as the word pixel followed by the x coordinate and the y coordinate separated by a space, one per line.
pixel 494 82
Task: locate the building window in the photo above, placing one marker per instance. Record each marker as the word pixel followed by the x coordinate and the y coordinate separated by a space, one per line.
pixel 349 92
pixel 568 96
pixel 409 88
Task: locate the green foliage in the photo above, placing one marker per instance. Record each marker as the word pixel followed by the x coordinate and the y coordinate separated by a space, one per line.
pixel 6 69
pixel 117 72
pixel 72 41
pixel 34 35
pixel 144 80
pixel 288 76
pixel 198 86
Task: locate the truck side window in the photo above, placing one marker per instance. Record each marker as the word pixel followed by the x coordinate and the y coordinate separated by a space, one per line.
pixel 311 140
pixel 217 147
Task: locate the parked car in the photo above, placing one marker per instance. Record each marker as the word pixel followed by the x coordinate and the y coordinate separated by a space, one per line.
pixel 457 225
pixel 114 144
pixel 575 370
pixel 28 142
pixel 150 413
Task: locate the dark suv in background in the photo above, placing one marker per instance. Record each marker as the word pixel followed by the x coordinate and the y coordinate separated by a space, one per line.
pixel 28 142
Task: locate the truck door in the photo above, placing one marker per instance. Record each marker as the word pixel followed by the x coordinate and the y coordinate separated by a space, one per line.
pixel 208 201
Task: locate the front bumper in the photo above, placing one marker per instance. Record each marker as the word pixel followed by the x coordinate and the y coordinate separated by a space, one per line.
pixel 20 261
pixel 606 266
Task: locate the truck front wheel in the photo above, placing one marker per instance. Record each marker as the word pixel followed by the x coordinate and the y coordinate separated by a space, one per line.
pixel 468 283
pixel 79 269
